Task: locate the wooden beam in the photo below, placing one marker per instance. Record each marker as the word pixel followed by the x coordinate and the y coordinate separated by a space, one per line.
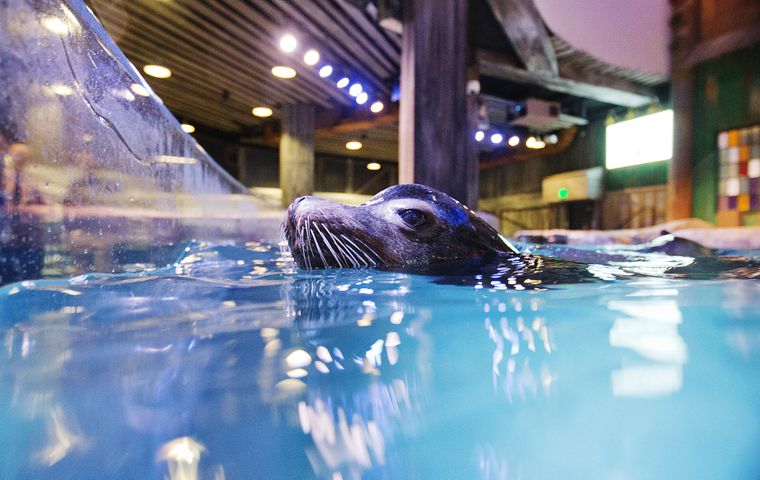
pixel 436 146
pixel 525 30
pixel 729 42
pixel 328 122
pixel 580 84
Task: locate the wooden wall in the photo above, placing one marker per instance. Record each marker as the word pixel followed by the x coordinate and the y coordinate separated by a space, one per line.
pixel 634 207
pixel 635 196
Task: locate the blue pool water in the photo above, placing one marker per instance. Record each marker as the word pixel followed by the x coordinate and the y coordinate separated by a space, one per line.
pixel 232 364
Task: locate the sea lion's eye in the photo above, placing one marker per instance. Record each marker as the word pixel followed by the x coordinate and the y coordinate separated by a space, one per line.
pixel 413 218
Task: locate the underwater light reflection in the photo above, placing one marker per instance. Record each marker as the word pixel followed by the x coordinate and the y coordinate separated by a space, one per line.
pixel 648 327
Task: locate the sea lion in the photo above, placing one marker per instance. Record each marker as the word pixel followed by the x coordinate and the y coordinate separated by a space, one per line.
pixel 416 228
pixel 403 227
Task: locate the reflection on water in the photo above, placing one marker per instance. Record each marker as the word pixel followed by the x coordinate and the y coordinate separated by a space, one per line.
pixel 231 364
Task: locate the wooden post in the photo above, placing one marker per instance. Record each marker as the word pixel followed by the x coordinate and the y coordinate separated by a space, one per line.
pixel 681 166
pixel 435 132
pixel 297 152
pixel 684 29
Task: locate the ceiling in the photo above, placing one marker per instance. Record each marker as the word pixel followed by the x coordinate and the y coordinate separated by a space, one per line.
pixel 221 53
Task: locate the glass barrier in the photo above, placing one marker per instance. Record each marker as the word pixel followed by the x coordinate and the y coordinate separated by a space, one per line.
pixel 96 174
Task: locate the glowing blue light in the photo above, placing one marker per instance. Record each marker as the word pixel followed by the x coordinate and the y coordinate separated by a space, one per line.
pixel 497 138
pixel 480 135
pixel 325 71
pixel 343 82
pixel 361 99
pixel 355 89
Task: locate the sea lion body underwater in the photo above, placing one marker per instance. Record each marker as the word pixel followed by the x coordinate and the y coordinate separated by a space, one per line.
pixel 418 229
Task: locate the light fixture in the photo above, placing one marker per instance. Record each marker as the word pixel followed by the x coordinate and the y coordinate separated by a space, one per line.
pixel 362 98
pixel 262 112
pixel 288 43
pixel 281 71
pixel 311 57
pixel 325 71
pixel 158 71
pixel 355 89
pixel 138 89
pixel 353 145
pixel 497 138
pixel 551 139
pixel 377 107
pixel 343 82
pixel 374 166
pixel 187 128
pixel 480 135
pixel 534 143
pixel 513 141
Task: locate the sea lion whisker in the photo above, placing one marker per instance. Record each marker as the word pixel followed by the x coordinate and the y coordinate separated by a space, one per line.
pixel 318 247
pixel 329 245
pixel 306 248
pixel 354 254
pixel 370 249
pixel 358 251
pixel 355 257
pixel 371 261
pixel 347 254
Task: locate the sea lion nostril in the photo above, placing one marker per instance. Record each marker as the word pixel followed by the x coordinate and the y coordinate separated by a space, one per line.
pixel 299 200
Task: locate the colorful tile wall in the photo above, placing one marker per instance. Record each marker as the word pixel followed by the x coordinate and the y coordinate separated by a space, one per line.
pixel 739 160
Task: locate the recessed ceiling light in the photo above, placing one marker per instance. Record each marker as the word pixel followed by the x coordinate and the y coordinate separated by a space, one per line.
pixel 281 71
pixel 480 135
pixel 157 71
pixel 343 82
pixel 311 57
pixel 377 107
pixel 514 141
pixel 325 71
pixel 262 112
pixel 187 127
pixel 288 43
pixel 374 166
pixel 353 145
pixel 361 99
pixel 355 89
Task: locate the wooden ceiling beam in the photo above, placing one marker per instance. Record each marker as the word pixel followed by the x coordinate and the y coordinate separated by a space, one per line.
pixel 254 62
pixel 524 27
pixel 354 58
pixel 580 84
pixel 233 79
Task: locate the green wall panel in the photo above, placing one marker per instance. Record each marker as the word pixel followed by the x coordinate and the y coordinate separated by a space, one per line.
pixel 727 95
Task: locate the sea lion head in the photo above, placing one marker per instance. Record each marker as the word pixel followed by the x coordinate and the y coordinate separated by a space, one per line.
pixel 404 226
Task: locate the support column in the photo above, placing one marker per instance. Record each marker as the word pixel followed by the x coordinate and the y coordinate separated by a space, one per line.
pixel 684 31
pixel 435 138
pixel 297 152
pixel 681 166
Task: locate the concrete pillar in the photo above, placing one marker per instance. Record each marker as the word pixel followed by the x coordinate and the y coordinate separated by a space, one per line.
pixel 297 152
pixel 435 127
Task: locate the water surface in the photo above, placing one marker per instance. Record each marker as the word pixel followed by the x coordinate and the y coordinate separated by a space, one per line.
pixel 230 363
